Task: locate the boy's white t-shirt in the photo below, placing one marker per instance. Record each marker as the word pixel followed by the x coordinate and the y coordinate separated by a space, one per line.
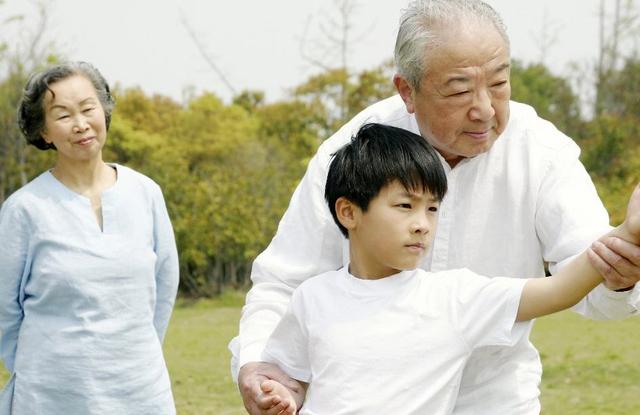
pixel 394 345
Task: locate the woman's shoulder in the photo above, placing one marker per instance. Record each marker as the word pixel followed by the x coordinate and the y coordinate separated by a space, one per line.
pixel 134 180
pixel 37 188
pixel 33 194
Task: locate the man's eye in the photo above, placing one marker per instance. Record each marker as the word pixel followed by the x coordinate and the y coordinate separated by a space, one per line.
pixel 459 94
pixel 88 109
pixel 61 117
pixel 499 84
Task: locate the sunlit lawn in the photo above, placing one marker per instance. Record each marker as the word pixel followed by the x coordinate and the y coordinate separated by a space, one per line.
pixel 589 367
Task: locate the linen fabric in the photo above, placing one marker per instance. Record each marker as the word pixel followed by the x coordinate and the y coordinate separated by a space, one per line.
pixel 83 311
pixel 393 345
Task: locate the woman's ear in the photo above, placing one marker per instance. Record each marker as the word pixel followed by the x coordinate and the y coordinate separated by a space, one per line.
pixel 347 213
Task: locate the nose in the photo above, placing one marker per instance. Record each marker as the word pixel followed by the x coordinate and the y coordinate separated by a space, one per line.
pixel 482 108
pixel 420 224
pixel 80 124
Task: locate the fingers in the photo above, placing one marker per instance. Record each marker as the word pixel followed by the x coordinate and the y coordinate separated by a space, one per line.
pixel 262 396
pixel 249 381
pixel 617 261
pixel 275 373
pixel 273 405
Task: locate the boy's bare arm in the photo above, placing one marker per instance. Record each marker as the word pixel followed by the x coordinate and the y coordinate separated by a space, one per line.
pixel 542 296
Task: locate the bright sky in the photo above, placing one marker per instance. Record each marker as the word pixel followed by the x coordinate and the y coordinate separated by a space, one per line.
pixel 256 43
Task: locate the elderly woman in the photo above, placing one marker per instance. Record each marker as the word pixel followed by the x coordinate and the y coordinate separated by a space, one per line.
pixel 88 265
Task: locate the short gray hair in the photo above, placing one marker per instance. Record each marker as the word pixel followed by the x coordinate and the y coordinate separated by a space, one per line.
pixel 418 26
pixel 31 114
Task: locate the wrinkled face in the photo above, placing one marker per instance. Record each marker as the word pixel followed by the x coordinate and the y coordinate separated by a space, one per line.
pixel 462 105
pixel 395 232
pixel 74 120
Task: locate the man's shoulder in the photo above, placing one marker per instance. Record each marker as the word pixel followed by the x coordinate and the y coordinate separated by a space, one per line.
pixel 389 111
pixel 529 129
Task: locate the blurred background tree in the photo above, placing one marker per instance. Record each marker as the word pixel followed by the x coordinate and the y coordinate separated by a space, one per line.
pixel 228 169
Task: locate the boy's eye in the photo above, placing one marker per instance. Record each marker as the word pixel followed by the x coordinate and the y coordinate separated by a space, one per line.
pixel 62 117
pixel 88 109
pixel 433 209
pixel 404 205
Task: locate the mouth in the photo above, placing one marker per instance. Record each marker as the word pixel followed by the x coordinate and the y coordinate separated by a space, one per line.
pixel 417 247
pixel 84 141
pixel 479 135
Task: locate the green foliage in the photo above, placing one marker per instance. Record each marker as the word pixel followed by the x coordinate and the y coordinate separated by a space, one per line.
pixel 338 95
pixel 18 162
pixel 621 97
pixel 228 170
pixel 551 96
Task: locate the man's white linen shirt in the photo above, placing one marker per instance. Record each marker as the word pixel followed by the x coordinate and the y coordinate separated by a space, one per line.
pixel 409 335
pixel 526 200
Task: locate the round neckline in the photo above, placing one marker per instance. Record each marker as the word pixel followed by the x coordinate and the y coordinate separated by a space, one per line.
pixel 378 286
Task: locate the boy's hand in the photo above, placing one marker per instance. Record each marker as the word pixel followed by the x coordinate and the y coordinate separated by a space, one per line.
pixel 250 379
pixel 278 399
pixel 618 258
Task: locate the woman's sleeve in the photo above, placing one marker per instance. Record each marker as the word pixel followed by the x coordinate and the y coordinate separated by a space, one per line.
pixel 14 246
pixel 167 269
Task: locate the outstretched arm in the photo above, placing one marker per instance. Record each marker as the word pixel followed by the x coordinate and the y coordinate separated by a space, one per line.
pixel 542 296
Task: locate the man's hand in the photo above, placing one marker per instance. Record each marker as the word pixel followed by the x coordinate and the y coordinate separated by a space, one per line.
pixel 256 401
pixel 618 260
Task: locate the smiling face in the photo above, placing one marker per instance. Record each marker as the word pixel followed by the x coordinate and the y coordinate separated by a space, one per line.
pixel 393 234
pixel 74 120
pixel 462 105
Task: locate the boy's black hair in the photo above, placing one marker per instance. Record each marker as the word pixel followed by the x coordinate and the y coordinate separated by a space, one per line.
pixel 377 155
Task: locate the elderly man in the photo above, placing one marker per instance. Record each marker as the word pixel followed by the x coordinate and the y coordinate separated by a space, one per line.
pixel 518 196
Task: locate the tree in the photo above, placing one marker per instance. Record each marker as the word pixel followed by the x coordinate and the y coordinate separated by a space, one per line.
pixel 19 162
pixel 623 26
pixel 550 95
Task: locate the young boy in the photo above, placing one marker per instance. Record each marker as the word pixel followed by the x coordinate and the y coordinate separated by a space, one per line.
pixel 384 337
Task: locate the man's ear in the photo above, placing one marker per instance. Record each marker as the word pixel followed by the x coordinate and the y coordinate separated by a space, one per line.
pixel 405 90
pixel 347 213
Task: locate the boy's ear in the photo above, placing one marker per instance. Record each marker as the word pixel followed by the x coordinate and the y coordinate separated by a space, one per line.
pixel 347 213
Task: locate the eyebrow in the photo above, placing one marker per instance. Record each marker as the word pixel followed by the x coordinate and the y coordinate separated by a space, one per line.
pixel 63 107
pixel 464 78
pixel 415 196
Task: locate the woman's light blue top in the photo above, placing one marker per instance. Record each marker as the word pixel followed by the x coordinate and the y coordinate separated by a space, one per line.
pixel 83 311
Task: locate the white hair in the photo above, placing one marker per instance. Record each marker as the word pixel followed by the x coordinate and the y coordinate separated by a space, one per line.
pixel 419 27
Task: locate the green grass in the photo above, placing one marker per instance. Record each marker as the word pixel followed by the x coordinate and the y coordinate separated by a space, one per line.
pixel 589 367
